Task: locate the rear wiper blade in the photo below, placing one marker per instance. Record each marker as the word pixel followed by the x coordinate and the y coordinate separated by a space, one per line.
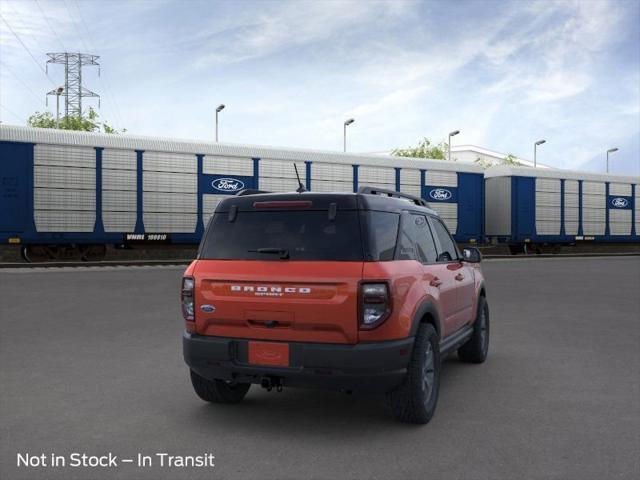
pixel 284 253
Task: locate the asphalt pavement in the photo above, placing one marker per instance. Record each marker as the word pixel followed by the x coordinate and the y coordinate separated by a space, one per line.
pixel 90 362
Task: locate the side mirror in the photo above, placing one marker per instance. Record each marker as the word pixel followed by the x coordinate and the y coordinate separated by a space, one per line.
pixel 471 255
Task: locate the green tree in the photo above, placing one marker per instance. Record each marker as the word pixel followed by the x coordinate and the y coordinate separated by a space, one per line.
pixel 88 123
pixel 510 159
pixel 425 149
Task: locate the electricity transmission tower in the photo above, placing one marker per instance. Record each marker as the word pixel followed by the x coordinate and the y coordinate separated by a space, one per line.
pixel 73 91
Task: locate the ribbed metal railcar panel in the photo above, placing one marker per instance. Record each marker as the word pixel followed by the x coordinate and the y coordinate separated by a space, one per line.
pixel 441 179
pixel 331 172
pixel 620 189
pixel 170 202
pixel 594 202
pixel 571 228
pixel 414 190
pixel 593 228
pixel 280 184
pixel 637 211
pixel 497 201
pixel 548 199
pixel 410 176
pixel 209 205
pixel 218 165
pixel 385 186
pixel 334 186
pixel 133 142
pixel 169 162
pixel 547 227
pixel 64 199
pixel 64 177
pixel 594 188
pixel 448 212
pixel 547 185
pixel 571 200
pixel 376 176
pixel 594 215
pixel 571 220
pixel 64 156
pixel 121 180
pixel 571 186
pixel 119 159
pixel 270 168
pixel 64 220
pixel 169 182
pixel 170 222
pixel 619 221
pixel 118 221
pixel 119 201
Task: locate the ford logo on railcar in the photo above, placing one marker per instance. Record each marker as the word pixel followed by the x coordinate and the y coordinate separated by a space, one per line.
pixel 619 202
pixel 440 194
pixel 228 184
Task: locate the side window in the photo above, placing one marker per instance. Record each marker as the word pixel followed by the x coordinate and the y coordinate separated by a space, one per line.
pixel 382 235
pixel 424 240
pixel 416 241
pixel 447 251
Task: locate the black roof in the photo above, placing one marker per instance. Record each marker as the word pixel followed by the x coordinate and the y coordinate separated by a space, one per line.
pixel 322 201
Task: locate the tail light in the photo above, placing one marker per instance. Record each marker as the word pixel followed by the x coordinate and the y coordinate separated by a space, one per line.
pixel 375 304
pixel 186 298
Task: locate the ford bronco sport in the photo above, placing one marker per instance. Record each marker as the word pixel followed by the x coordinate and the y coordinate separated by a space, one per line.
pixel 358 291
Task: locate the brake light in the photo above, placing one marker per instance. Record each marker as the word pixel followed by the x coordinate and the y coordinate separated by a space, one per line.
pixel 186 298
pixel 375 304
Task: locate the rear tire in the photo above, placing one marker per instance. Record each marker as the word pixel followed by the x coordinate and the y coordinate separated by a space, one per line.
pixel 415 400
pixel 218 391
pixel 477 347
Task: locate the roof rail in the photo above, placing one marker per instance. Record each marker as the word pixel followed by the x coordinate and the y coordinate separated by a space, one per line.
pixel 392 193
pixel 250 191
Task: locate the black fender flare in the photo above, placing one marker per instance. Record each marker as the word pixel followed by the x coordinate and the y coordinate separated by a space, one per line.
pixel 426 307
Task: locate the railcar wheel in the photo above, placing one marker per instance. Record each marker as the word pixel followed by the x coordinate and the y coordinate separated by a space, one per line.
pixel 92 253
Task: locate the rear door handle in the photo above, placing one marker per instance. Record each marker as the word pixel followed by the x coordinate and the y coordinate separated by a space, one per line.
pixel 435 282
pixel 459 277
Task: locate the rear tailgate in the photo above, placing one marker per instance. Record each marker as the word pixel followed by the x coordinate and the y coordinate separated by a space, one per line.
pixel 299 301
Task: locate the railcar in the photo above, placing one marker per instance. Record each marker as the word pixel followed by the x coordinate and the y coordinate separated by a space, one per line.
pixel 532 209
pixel 64 190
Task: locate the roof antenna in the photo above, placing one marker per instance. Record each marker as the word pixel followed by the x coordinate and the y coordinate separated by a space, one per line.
pixel 300 188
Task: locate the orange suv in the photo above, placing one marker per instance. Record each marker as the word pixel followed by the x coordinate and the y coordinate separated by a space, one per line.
pixel 358 291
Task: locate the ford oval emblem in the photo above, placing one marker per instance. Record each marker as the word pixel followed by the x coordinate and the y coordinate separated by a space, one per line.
pixel 228 184
pixel 208 308
pixel 620 202
pixel 440 194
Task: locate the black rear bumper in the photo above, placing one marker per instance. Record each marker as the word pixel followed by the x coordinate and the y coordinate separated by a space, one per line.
pixel 371 367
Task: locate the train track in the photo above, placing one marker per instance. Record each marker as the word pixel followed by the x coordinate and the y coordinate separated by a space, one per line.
pixel 181 262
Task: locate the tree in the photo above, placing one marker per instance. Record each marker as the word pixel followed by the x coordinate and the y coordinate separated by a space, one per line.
pixel 425 149
pixel 89 123
pixel 510 159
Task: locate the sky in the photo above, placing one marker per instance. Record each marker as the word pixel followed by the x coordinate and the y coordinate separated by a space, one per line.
pixel 504 73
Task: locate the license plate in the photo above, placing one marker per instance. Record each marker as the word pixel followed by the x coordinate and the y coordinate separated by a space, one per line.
pixel 269 354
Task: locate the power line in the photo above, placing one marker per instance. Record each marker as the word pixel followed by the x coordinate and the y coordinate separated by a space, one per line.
pixel 73 22
pixel 27 49
pixel 46 18
pixel 12 113
pixel 106 83
pixel 35 95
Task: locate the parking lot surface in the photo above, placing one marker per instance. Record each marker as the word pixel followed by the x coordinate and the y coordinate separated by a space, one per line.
pixel 90 361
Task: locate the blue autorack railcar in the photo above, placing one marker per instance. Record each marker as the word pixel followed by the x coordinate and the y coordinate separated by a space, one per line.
pixel 84 190
pixel 527 207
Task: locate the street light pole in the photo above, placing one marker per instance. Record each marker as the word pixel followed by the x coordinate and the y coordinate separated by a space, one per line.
pixel 611 150
pixel 344 133
pixel 535 152
pixel 59 91
pixel 451 134
pixel 218 110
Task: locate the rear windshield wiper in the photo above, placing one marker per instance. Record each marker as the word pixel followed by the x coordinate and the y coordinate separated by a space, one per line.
pixel 284 253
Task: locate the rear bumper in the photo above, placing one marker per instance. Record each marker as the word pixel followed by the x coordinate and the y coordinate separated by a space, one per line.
pixel 370 367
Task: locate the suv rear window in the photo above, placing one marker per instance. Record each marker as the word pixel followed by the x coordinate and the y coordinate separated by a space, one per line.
pixel 302 234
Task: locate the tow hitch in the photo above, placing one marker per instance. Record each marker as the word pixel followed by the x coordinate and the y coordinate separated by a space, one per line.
pixel 270 383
